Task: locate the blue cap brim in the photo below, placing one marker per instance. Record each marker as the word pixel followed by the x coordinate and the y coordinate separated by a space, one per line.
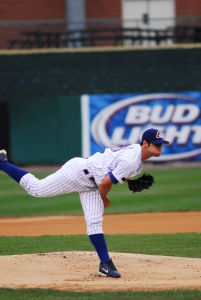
pixel 160 141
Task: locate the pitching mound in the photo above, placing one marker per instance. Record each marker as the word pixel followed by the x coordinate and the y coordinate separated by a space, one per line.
pixel 78 271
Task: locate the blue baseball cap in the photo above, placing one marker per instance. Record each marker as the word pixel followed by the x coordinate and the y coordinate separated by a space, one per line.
pixel 153 136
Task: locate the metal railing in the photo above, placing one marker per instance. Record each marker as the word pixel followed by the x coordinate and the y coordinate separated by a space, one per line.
pixel 55 33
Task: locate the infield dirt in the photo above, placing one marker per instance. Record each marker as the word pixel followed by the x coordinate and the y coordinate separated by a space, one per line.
pixel 78 271
pixel 171 222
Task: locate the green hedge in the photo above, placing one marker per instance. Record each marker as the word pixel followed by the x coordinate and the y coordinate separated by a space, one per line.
pixel 50 75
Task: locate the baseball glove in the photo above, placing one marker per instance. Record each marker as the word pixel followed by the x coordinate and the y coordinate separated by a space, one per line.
pixel 141 183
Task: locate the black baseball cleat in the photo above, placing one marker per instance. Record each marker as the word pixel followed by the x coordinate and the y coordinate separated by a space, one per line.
pixel 3 155
pixel 108 269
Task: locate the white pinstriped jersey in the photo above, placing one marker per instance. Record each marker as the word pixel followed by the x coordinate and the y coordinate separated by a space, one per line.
pixel 76 174
pixel 123 162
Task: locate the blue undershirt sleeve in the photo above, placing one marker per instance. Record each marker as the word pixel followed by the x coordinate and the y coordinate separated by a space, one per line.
pixel 112 178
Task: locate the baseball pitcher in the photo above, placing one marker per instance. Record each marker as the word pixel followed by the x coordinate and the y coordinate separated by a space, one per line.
pixel 93 178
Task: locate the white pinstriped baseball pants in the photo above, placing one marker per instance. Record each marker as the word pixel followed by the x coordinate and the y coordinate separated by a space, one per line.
pixel 70 178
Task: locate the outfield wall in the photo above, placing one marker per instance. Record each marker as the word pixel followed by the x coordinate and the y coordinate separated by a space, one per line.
pixel 43 91
pixel 45 130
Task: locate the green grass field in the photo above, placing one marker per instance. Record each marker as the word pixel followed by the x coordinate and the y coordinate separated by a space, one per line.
pixel 39 294
pixel 177 189
pixel 181 244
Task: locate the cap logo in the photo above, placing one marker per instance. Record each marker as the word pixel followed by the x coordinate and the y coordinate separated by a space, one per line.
pixel 158 135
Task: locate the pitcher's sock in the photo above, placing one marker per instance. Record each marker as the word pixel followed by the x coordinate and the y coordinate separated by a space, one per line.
pixel 13 171
pixel 98 241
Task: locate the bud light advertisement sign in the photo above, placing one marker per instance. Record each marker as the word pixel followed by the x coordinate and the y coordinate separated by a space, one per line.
pixel 118 120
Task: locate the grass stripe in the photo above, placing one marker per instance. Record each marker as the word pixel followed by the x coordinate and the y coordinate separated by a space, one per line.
pixel 181 244
pixel 184 195
pixel 41 294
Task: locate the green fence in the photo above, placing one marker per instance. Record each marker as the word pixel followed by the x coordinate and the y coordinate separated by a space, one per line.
pixel 50 75
pixel 45 130
pixel 42 90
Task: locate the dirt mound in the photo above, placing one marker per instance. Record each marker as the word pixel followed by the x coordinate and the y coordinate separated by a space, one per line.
pixel 78 271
